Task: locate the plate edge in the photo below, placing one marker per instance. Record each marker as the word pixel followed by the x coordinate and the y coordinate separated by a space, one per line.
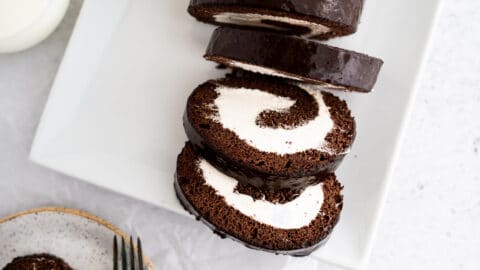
pixel 400 139
pixel 78 213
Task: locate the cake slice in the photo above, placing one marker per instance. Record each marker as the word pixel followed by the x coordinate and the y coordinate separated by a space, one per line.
pixel 294 228
pixel 318 19
pixel 293 58
pixel 269 134
pixel 37 262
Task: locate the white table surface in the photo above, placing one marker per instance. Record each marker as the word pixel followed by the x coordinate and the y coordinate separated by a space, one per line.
pixel 432 216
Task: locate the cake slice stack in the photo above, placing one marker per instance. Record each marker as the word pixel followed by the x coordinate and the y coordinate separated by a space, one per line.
pixel 264 142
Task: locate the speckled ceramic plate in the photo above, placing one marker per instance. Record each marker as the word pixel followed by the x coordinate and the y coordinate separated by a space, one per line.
pixel 83 240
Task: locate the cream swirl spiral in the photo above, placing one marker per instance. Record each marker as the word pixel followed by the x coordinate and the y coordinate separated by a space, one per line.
pixel 246 112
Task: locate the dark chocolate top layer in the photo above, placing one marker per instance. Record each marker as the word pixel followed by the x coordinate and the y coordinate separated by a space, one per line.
pixel 267 170
pixel 37 262
pixel 203 201
pixel 306 60
pixel 342 16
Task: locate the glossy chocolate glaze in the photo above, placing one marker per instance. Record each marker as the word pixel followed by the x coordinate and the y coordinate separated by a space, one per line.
pixel 309 61
pixel 295 184
pixel 342 16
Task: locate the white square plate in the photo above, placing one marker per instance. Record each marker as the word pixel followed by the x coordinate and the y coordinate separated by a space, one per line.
pixel 114 116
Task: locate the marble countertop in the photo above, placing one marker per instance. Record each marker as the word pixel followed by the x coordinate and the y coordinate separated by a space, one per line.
pixel 432 216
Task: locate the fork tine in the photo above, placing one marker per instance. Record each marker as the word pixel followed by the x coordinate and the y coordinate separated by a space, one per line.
pixel 140 254
pixel 124 256
pixel 115 253
pixel 132 254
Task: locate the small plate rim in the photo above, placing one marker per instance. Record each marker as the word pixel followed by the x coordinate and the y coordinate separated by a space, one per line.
pixel 78 213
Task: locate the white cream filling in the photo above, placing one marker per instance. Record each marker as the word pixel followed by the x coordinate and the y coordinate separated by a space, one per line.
pixel 318 86
pixel 238 109
pixel 295 214
pixel 253 19
pixel 321 86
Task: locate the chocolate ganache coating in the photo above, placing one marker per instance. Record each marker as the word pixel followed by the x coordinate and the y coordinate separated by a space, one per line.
pixel 295 58
pixel 340 17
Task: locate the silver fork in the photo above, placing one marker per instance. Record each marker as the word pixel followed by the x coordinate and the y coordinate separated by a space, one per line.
pixel 132 258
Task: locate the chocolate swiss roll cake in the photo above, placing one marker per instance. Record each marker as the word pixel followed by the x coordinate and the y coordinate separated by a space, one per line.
pixel 37 262
pixel 294 228
pixel 268 134
pixel 319 19
pixel 293 58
